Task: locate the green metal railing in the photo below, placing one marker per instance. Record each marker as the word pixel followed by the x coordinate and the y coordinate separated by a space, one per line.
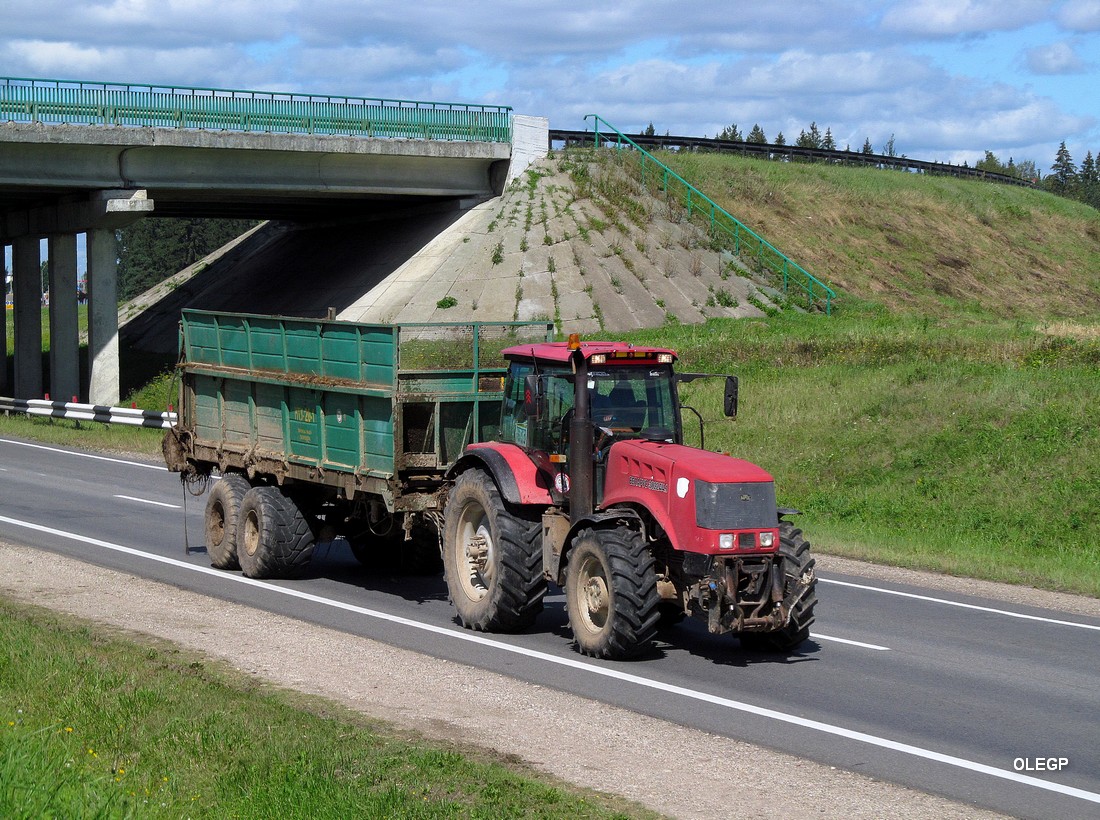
pixel 86 103
pixel 742 239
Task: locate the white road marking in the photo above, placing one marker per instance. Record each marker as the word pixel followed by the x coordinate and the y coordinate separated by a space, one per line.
pixel 577 663
pixel 959 604
pixel 817 636
pixel 148 501
pixel 162 468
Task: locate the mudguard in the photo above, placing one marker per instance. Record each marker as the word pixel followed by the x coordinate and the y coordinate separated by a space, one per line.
pixel 516 475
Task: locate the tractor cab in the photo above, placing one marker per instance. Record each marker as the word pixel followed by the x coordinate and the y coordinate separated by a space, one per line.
pixel 629 393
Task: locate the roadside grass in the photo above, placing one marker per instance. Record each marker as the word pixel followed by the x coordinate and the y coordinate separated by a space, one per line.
pixel 92 725
pixel 87 435
pixel 966 448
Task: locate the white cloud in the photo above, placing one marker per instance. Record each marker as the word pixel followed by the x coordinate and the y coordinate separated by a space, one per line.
pixel 1080 15
pixel 1056 58
pixel 950 18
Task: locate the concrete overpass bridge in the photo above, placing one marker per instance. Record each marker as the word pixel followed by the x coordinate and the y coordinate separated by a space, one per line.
pixel 89 158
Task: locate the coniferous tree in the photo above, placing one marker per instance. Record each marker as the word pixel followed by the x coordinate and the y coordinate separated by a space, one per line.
pixel 730 132
pixel 867 149
pixel 827 142
pixel 756 135
pixel 150 250
pixel 811 139
pixel 780 139
pixel 1065 172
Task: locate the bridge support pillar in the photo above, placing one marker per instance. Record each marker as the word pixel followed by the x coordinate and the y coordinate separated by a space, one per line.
pixel 103 385
pixel 4 335
pixel 64 332
pixel 27 302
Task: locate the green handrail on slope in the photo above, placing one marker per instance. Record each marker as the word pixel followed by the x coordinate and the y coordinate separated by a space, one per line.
pixel 720 221
pixel 90 103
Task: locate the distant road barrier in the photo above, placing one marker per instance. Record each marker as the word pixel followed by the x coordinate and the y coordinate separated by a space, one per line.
pixel 216 109
pixel 762 150
pixel 88 412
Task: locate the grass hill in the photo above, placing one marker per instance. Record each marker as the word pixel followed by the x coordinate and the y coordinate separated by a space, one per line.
pixel 912 242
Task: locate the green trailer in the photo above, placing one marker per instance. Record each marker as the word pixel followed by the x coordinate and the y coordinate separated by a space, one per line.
pixel 324 427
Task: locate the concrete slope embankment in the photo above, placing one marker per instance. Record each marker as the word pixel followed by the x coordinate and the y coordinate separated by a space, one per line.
pixel 544 250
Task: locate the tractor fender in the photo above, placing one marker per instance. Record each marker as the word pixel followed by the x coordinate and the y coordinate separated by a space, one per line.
pixel 515 474
pixel 599 519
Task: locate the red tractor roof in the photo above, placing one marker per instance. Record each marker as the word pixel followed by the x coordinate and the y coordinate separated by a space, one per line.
pixel 619 352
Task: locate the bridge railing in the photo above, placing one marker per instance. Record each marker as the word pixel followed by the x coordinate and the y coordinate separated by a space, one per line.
pixel 741 239
pixel 87 103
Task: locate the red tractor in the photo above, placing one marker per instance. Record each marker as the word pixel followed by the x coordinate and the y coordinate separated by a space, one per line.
pixel 591 487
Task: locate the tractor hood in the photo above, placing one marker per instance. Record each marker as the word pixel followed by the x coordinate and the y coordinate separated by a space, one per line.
pixel 694 494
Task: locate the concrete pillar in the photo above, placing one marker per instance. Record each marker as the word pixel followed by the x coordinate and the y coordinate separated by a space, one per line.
pixel 26 265
pixel 4 335
pixel 103 317
pixel 64 331
pixel 530 142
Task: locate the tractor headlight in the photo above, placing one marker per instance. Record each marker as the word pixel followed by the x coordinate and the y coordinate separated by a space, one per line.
pixel 725 541
pixel 767 539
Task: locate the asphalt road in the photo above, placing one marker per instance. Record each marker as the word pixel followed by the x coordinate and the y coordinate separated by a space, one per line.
pixel 973 699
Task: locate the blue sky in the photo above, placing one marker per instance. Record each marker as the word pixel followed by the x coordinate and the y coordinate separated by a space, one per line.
pixel 949 79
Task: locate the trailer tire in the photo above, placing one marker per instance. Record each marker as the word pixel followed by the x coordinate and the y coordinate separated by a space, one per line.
pixel 492 557
pixel 611 593
pixel 274 539
pixel 794 560
pixel 222 510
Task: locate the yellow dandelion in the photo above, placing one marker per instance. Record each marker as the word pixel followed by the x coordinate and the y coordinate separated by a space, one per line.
pixel 68 728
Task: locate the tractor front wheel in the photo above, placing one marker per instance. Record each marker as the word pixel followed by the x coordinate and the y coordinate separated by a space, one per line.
pixel 611 593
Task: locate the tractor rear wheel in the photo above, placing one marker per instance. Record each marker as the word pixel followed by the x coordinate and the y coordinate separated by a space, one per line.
pixel 274 539
pixel 795 560
pixel 492 557
pixel 611 593
pixel 222 509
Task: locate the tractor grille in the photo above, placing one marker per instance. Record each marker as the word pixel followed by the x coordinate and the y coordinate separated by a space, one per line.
pixel 735 506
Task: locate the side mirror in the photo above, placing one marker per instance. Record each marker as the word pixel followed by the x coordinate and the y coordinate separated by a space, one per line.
pixel 532 395
pixel 729 405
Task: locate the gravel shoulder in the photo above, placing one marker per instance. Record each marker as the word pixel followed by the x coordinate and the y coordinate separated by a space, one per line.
pixel 667 768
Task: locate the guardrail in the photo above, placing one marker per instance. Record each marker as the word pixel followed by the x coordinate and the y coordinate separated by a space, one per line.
pixel 88 412
pixel 93 103
pixel 720 223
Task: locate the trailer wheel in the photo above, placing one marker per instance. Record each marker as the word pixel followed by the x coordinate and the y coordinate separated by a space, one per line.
pixel 611 593
pixel 492 557
pixel 222 509
pixel 794 561
pixel 273 537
